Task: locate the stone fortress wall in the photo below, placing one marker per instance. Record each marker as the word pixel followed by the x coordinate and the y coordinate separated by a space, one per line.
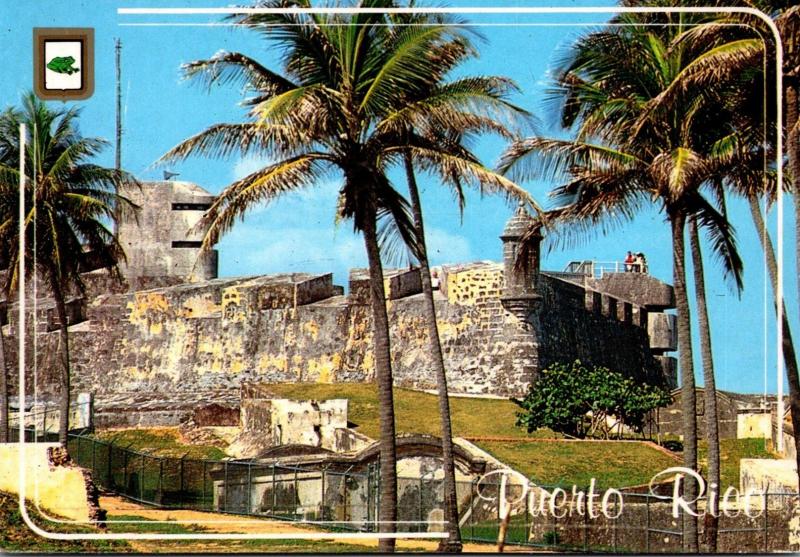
pixel 150 356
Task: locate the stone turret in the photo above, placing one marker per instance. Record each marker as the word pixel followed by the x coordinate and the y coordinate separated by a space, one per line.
pixel 521 299
pixel 520 292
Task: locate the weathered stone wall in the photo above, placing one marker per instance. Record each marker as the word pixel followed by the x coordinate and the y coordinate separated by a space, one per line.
pixel 172 348
pixel 670 419
pixel 570 332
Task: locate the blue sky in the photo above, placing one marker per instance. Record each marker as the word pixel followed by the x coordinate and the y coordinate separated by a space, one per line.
pixel 298 233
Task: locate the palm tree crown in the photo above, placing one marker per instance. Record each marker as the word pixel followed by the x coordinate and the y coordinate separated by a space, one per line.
pixel 68 203
pixel 356 95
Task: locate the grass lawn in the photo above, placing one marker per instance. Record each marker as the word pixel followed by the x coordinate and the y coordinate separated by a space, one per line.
pixel 162 441
pixel 417 412
pixel 611 463
pixel 731 452
pixel 16 537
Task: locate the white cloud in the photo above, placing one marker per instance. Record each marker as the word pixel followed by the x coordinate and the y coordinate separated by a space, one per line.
pixel 444 247
pixel 247 165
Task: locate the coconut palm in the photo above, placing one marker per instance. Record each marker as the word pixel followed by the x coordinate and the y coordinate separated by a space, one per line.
pixel 442 119
pixel 69 202
pixel 334 108
pixel 3 391
pixel 733 45
pixel 621 160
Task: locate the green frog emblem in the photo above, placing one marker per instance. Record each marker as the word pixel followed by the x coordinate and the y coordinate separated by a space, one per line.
pixel 62 64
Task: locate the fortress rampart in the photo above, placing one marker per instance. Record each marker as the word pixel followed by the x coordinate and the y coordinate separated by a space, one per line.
pixel 151 356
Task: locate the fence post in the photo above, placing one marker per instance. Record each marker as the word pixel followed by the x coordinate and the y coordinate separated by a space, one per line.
pixel 249 488
pixel 141 480
pixel 274 492
pixel 766 521
pixel 161 481
pixel 180 485
pixel 125 471
pixel 472 508
pixel 94 457
pixel 204 483
pixel 322 497
pixel 647 532
pixel 585 531
pixel 614 528
pixel 419 508
pixel 296 493
pixel 110 453
pixel 344 484
pixel 227 489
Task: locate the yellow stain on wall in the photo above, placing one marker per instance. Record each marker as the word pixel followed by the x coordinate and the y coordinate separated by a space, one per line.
pixel 59 489
pixel 148 311
pixel 270 362
pixel 311 327
pixel 237 366
pixel 232 304
pixel 199 306
pixel 448 329
pixel 463 287
pixel 145 304
pixel 136 373
pixel 325 367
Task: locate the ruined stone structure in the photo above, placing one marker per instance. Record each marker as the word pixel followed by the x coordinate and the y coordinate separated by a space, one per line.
pixel 150 356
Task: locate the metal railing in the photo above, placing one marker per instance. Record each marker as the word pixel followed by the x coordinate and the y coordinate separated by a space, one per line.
pixel 598 269
pixel 42 425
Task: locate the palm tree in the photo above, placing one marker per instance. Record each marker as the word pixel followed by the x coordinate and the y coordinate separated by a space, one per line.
pixel 68 203
pixel 445 123
pixel 624 156
pixel 710 391
pixel 334 108
pixel 735 45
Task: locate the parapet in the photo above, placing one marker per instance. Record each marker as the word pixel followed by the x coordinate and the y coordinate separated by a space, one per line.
pixel 397 283
pixel 639 288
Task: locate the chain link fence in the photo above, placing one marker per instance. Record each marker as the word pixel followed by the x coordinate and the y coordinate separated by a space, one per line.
pixel 349 500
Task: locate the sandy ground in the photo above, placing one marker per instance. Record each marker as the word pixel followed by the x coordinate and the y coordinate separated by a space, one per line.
pixel 224 523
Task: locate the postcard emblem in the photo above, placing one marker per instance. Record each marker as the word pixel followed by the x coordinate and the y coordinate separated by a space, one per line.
pixel 63 61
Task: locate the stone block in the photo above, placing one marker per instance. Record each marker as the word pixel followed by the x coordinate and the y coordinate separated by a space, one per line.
pixel 663 331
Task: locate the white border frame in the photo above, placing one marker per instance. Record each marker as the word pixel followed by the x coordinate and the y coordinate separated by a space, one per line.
pixel 427 10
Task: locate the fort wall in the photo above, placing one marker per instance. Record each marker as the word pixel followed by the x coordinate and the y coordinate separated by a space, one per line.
pixel 166 350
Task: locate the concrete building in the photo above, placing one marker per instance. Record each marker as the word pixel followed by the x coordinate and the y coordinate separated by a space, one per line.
pixel 161 240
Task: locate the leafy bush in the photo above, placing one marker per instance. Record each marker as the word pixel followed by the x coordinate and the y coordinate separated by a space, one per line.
pixel 576 399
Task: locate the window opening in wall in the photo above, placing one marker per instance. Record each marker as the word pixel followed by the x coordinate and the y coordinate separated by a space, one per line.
pixel 190 206
pixel 186 244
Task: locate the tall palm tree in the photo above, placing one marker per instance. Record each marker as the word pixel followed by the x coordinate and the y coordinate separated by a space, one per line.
pixel 69 202
pixel 445 122
pixel 734 45
pixel 621 160
pixel 334 108
pixel 710 391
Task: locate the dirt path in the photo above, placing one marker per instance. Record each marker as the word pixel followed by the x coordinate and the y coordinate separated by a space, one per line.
pixel 225 523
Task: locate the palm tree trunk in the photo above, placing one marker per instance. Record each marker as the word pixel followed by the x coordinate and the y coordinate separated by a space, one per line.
pixel 63 402
pixel 793 152
pixel 387 514
pixel 3 392
pixel 453 543
pixel 688 395
pixel 711 520
pixel 789 355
